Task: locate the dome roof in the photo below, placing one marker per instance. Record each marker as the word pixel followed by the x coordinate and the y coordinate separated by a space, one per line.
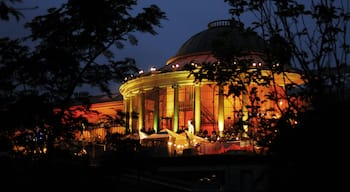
pixel 229 31
pixel 228 37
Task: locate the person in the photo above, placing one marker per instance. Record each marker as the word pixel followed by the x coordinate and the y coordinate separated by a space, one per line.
pixel 190 127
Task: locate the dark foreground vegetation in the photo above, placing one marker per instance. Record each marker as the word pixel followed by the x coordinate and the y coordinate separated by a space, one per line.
pixel 135 171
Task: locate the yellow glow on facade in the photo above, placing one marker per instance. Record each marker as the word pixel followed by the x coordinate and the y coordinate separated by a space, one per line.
pixel 180 99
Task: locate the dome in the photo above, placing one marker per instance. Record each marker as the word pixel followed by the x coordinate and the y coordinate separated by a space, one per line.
pixel 230 32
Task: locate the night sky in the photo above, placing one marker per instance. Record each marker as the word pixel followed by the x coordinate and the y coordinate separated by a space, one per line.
pixel 185 19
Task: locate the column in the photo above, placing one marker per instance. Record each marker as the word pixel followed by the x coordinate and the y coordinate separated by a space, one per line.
pixel 156 110
pixel 127 114
pixel 197 108
pixel 141 110
pixel 176 108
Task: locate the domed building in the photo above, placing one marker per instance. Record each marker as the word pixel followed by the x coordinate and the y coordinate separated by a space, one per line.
pixel 170 98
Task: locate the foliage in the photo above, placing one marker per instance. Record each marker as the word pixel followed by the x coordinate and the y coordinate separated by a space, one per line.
pixel 73 45
pixel 13 57
pixel 315 35
pixel 76 47
pixel 314 38
pixel 310 38
pixel 7 10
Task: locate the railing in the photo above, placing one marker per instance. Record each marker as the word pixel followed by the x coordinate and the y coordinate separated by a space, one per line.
pixel 224 23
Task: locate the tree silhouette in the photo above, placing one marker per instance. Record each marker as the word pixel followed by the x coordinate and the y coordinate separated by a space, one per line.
pixel 313 37
pixel 308 38
pixel 7 9
pixel 75 45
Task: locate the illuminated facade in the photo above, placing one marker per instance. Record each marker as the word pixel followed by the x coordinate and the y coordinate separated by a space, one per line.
pixel 100 117
pixel 169 98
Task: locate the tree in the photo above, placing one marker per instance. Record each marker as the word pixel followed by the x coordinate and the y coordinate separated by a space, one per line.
pixel 246 68
pixel 75 45
pixel 7 10
pixel 309 37
pixel 313 37
pixel 315 34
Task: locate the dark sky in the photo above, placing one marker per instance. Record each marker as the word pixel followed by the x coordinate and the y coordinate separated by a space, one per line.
pixel 185 19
